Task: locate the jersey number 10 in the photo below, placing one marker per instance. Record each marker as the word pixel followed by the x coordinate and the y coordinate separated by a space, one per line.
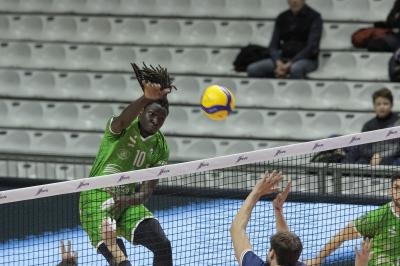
pixel 139 158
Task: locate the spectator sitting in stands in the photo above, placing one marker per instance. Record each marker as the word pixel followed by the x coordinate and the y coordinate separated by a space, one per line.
pixel 386 152
pixel 294 45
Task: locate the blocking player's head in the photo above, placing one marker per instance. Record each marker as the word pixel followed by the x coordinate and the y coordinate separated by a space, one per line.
pixel 154 114
pixel 383 102
pixel 395 189
pixel 285 250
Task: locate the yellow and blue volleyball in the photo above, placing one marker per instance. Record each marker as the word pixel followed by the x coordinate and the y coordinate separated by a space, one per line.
pixel 217 102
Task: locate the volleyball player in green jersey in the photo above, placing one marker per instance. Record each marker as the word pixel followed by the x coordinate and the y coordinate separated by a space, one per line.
pixel 381 225
pixel 131 141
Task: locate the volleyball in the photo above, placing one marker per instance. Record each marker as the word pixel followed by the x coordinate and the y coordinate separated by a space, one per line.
pixel 217 102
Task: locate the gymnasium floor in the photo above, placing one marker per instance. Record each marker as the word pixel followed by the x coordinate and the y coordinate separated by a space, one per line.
pixel 199 233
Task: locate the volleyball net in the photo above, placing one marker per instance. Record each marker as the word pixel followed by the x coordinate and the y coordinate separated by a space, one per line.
pixel 195 203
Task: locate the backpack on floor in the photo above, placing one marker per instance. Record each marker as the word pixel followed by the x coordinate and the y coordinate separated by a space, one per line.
pixel 249 54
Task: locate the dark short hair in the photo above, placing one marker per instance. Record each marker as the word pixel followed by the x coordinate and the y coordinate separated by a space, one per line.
pixel 384 93
pixel 287 247
pixel 394 177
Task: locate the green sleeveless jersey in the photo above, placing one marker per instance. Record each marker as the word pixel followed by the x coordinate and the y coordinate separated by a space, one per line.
pixel 383 227
pixel 129 151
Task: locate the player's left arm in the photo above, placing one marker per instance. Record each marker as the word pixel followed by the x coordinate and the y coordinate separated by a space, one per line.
pixel 266 185
pixel 281 225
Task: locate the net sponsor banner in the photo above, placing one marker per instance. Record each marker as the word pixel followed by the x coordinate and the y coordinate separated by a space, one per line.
pixel 197 166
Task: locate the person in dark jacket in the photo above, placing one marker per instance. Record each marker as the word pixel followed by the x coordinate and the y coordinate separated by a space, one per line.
pixel 294 46
pixel 391 41
pixel 383 152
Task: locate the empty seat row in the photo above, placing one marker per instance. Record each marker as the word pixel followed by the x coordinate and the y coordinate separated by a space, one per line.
pixel 41 170
pixel 157 31
pixel 252 123
pixel 56 115
pixel 115 58
pixel 69 85
pixel 266 124
pixel 356 65
pixel 333 65
pixel 363 10
pixel 83 144
pixel 262 93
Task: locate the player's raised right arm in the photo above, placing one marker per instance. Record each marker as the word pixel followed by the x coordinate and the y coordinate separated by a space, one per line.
pixel 348 233
pixel 152 92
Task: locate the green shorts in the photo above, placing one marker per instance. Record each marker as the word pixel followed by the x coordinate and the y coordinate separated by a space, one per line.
pixel 92 215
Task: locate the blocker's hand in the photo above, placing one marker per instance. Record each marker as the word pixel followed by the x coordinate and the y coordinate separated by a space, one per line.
pixel 268 183
pixel 68 258
pixel 281 197
pixel 153 92
pixel 364 255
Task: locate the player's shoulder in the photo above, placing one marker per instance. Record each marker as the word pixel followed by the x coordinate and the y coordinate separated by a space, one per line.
pixel 386 207
pixel 161 141
pixel 380 212
pixel 249 258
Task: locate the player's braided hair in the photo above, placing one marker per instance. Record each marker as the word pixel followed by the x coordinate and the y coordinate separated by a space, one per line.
pixel 153 74
pixel 156 74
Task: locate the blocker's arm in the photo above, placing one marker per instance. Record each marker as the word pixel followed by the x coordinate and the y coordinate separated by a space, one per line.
pixel 266 185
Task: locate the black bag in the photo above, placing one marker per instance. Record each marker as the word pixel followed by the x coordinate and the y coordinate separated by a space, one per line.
pixel 249 54
pixel 331 156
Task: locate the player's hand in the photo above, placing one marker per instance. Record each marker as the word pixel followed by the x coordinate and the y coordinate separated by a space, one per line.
pixel 66 255
pixel 281 197
pixel 268 183
pixel 364 255
pixel 286 67
pixel 313 262
pixel 153 92
pixel 279 64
